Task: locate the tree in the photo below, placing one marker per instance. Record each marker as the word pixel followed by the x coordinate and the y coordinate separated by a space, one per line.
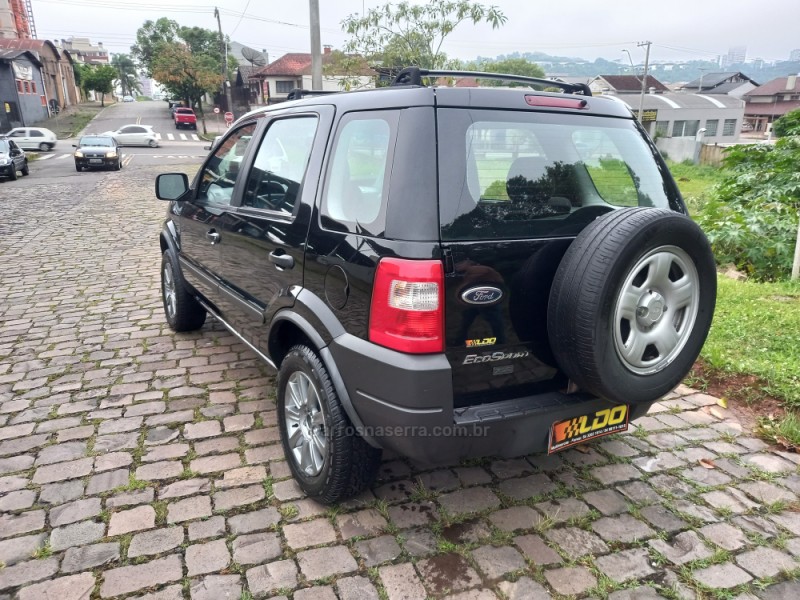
pixel 150 38
pixel 405 34
pixel 185 74
pixel 788 124
pixel 508 66
pixel 100 79
pixel 127 77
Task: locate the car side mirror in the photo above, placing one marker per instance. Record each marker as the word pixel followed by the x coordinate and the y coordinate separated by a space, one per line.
pixel 206 147
pixel 74 145
pixel 172 186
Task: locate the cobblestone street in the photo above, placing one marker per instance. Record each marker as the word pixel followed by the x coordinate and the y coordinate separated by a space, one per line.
pixel 140 463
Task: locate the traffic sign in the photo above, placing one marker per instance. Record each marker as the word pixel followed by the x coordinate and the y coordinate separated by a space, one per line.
pixel 216 110
pixel 228 118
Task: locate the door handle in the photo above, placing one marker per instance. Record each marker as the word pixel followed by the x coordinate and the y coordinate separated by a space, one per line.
pixel 280 259
pixel 212 236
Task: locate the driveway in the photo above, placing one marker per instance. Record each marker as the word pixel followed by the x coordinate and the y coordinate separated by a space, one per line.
pixel 135 462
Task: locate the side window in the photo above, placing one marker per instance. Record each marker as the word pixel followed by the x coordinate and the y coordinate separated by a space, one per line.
pixel 357 179
pixel 606 167
pixel 280 164
pixel 220 171
pixel 20 133
pixel 36 133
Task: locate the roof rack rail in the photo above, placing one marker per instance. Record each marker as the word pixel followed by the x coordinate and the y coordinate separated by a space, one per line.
pixel 298 93
pixel 414 75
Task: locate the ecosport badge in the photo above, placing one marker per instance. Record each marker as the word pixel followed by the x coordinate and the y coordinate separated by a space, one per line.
pixel 484 294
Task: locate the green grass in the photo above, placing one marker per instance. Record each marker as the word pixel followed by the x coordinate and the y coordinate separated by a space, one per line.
pixel 696 182
pixel 756 331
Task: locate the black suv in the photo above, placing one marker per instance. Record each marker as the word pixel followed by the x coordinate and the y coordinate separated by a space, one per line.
pixel 442 272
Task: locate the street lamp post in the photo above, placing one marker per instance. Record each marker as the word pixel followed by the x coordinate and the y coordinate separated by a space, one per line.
pixel 644 77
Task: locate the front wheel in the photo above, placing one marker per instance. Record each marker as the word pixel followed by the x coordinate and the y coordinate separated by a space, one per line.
pixel 182 310
pixel 153 144
pixel 78 168
pixel 329 460
pixel 13 174
pixel 25 169
pixel 44 147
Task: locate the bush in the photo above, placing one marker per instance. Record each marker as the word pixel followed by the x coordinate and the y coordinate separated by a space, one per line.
pixel 752 219
pixel 788 124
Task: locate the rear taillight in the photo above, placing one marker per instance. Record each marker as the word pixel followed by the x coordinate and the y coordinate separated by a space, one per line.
pixel 407 311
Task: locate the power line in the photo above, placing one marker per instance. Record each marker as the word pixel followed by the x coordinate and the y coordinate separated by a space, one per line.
pixel 239 22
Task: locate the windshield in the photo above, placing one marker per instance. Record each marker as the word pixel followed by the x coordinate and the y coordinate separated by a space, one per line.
pixel 3 146
pixel 96 141
pixel 510 174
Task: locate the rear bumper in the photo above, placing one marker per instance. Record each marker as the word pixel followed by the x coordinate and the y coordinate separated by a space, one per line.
pixel 405 403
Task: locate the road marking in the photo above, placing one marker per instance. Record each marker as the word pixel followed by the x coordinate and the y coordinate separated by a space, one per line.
pixel 139 120
pixel 170 136
pixel 195 138
pixel 183 136
pixel 45 157
pixel 63 156
pixel 127 160
pixel 158 136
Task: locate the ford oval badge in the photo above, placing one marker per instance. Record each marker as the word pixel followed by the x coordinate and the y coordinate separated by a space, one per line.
pixel 484 294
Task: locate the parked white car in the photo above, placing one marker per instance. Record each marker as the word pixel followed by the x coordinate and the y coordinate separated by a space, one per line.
pixel 135 135
pixel 33 138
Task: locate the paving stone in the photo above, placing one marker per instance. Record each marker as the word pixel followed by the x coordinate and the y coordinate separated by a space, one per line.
pixel 146 408
pixel 74 511
pixel 526 488
pixel 685 547
pixel 61 452
pixel 144 496
pixel 662 461
pixel 495 562
pixel 14 464
pixel 691 509
pixel 72 587
pixel 187 487
pixel 535 550
pixel 378 550
pixel 770 463
pixel 115 460
pixel 325 562
pixel 120 425
pixel 254 521
pixel 204 429
pixel 663 519
pixel 242 476
pixel 18 500
pixel 642 592
pixel 238 497
pixel 114 442
pixel 216 587
pixel 124 580
pixel 469 500
pixel 765 562
pixel 767 493
pixel 362 523
pixel 309 533
pixel 27 572
pixel 155 542
pixel 238 422
pixel 196 507
pixel 524 588
pixel 419 542
pixel 20 548
pixel 756 524
pixel 135 519
pixel 207 558
pixel 514 518
pixel 160 435
pixel 560 511
pixel 570 580
pixel 104 482
pixel 724 576
pixel 608 502
pixel 213 464
pixel 788 590
pixel 10 484
pixel 256 548
pixel 89 557
pixel 213 527
pixel 63 471
pixel 58 493
pixel 11 525
pixel 412 514
pixel 623 528
pixel 317 592
pixel 159 470
pixel 273 576
pixel 216 446
pixel 473 476
pixel 446 573
pixel 625 565
pixel 401 582
pixel 576 542
pixel 789 521
pixel 356 588
pixel 616 473
pixel 732 500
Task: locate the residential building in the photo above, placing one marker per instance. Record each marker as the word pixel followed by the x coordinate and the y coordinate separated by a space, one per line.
pixel 21 89
pixel 293 70
pixel 625 84
pixel 733 83
pixel 57 69
pixel 16 21
pixel 85 51
pixel 768 102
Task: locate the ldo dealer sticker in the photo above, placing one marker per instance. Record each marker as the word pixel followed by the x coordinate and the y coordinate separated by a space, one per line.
pixel 573 431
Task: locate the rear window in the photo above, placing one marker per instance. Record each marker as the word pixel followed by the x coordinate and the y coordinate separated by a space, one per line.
pixel 510 174
pixel 184 111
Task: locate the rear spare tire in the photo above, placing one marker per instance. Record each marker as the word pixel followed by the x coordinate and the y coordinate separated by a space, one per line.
pixel 632 303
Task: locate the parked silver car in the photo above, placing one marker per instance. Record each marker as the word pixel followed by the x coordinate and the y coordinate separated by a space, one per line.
pixel 134 135
pixel 33 138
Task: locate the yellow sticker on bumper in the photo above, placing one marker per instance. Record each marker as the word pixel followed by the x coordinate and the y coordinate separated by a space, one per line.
pixel 576 430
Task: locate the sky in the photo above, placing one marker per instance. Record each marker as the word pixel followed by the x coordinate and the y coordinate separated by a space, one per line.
pixel 680 30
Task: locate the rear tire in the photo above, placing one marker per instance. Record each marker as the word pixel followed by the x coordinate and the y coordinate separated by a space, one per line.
pixel 632 303
pixel 329 460
pixel 153 144
pixel 182 310
pixel 44 147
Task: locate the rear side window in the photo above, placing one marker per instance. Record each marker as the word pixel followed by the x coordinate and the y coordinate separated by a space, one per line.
pixel 280 165
pixel 358 173
pixel 505 174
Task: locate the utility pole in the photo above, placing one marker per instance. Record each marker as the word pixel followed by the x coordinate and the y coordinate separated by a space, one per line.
pixel 223 51
pixel 316 46
pixel 644 77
